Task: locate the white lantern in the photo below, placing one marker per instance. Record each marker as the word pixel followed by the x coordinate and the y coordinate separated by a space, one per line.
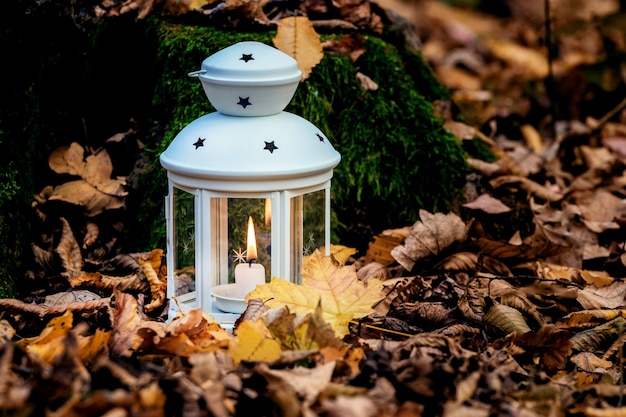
pixel 249 167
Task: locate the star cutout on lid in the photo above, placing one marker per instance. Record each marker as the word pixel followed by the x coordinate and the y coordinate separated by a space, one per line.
pixel 270 146
pixel 199 142
pixel 246 57
pixel 320 137
pixel 244 102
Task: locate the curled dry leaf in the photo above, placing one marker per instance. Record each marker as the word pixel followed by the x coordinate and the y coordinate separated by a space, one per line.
pixel 546 193
pixel 68 249
pixel 551 345
pixel 488 204
pixel 308 384
pixel 67 297
pixel 158 285
pixel 429 236
pixel 366 82
pixel 92 230
pixel 589 362
pixel 6 331
pixel 589 318
pixel 296 37
pixel 101 281
pixel 610 296
pixel 590 340
pixel 300 332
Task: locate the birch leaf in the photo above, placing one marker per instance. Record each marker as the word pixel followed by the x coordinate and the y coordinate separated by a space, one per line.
pixel 342 296
pixel 296 37
pixel 507 319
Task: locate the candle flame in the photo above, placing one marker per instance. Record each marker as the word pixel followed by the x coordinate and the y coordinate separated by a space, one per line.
pixel 252 255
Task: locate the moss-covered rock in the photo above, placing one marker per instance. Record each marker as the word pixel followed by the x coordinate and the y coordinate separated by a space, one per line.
pixel 396 156
pixel 89 78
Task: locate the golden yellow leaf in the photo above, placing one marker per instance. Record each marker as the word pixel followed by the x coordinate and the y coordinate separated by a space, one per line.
pixel 308 332
pixel 598 278
pixel 589 318
pixel 342 295
pixel 341 253
pixel 90 346
pixel 605 412
pixel 296 37
pixel 6 331
pixel 157 286
pixel 253 343
pixel 48 344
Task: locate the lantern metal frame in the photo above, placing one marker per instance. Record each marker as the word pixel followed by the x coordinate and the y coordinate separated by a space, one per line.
pixel 232 163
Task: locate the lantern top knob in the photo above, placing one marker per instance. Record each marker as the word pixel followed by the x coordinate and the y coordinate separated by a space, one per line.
pixel 249 79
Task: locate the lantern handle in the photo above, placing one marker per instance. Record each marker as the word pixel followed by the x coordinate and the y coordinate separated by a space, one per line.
pixel 196 73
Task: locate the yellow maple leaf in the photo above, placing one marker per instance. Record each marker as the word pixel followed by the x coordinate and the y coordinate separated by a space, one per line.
pixel 337 288
pixel 253 342
pixel 339 252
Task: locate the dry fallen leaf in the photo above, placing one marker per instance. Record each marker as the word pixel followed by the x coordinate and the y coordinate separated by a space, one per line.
pixel 296 37
pixel 68 249
pixel 96 191
pixel 488 204
pixel 429 236
pixel 294 332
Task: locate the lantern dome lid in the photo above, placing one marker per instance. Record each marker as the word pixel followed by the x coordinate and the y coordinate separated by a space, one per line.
pixel 249 79
pixel 250 63
pixel 232 153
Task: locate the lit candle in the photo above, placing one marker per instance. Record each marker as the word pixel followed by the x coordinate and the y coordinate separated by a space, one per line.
pixel 250 274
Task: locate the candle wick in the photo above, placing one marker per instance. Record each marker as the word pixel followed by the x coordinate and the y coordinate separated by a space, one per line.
pixel 250 262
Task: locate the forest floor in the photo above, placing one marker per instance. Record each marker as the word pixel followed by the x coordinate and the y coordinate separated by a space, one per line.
pixel 514 306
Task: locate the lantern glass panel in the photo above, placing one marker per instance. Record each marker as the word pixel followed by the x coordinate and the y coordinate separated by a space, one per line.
pixel 184 242
pixel 239 210
pixel 308 227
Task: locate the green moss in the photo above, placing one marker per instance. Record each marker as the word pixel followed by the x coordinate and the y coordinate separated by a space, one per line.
pixel 478 149
pixel 396 156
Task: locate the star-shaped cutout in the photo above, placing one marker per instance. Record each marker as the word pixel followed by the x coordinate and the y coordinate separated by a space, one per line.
pixel 199 142
pixel 320 137
pixel 244 102
pixel 239 256
pixel 270 146
pixel 246 57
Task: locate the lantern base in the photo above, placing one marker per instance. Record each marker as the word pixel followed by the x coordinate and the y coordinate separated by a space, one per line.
pixel 229 299
pixel 225 319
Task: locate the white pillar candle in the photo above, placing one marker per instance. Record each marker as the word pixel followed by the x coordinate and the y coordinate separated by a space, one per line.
pixel 250 274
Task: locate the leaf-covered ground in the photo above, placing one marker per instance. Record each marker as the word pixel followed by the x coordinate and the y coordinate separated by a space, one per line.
pixel 512 305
